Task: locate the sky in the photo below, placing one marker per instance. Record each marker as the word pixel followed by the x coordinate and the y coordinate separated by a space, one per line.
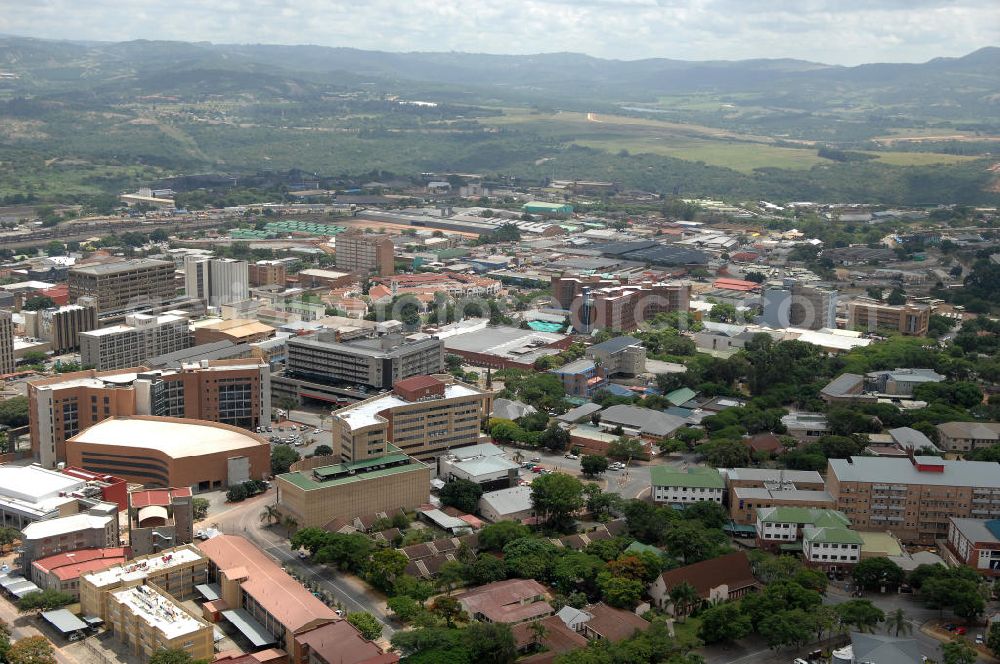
pixel 844 32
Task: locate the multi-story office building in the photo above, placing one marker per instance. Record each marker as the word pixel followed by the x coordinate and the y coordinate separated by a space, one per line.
pixel 176 570
pixel 913 497
pixel 218 281
pixel 143 336
pixel 384 484
pixel 795 304
pixel 620 355
pixel 97 527
pixel 123 285
pixel 145 619
pixel 751 489
pixel 423 416
pixel 160 519
pixel 234 392
pixel 365 254
pixel 566 289
pixel 627 307
pixel 379 362
pixel 266 273
pixel 908 319
pixel 684 487
pixel 61 326
pixel 967 436
pixel 6 342
pixel 975 543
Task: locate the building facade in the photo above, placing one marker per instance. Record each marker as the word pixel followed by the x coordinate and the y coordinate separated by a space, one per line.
pixel 141 337
pixel 679 487
pixel 233 392
pixel 908 319
pixel 379 362
pixel 266 273
pixel 795 304
pixel 97 527
pixel 976 544
pixel 217 281
pixel 61 326
pixel 123 285
pixel 160 519
pixel 7 364
pixel 62 571
pixel 365 254
pixel 145 619
pixel 968 436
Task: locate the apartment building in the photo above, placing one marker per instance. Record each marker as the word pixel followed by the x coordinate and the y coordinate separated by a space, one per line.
pixel 160 519
pixel 217 281
pixel 974 543
pixel 145 619
pixel 62 571
pixel 620 355
pixel 683 487
pixel 365 253
pixel 566 289
pixel 908 319
pixel 913 497
pixel 125 285
pixel 347 490
pixel 233 392
pixel 379 362
pixel 423 416
pixel 784 525
pixel 744 502
pixel 626 307
pixel 141 337
pixel 176 571
pixel 266 273
pixel 61 326
pixel 968 436
pixel 7 364
pixel 796 304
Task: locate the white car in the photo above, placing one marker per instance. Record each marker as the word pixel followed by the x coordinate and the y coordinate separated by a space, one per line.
pixel 317 431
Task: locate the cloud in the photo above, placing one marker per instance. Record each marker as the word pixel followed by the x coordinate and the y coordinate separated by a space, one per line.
pixel 834 31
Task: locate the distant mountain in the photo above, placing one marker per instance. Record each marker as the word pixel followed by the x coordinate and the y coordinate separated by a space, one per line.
pixel 59 65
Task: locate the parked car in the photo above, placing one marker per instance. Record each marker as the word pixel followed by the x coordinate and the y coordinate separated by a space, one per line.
pixel 317 431
pixel 536 459
pixel 961 630
pixel 570 456
pixel 979 639
pixel 537 469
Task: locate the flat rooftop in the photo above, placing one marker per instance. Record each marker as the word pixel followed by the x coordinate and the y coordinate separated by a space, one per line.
pixel 159 611
pixel 338 474
pixel 141 568
pixel 366 413
pixel 887 470
pixel 34 483
pixel 120 266
pixel 172 436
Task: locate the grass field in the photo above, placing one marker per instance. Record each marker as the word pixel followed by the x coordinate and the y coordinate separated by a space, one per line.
pixel 743 157
pixel 919 158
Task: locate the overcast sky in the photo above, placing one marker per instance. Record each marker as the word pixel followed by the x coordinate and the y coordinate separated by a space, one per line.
pixel 832 31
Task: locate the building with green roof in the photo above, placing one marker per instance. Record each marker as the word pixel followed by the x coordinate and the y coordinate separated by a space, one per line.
pixel 777 526
pixel 317 496
pixel 541 207
pixel 679 487
pixel 831 547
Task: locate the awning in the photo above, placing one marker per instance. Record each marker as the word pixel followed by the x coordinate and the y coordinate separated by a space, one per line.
pixel 21 589
pixel 93 621
pixel 791 546
pixel 64 621
pixel 8 581
pixel 210 591
pixel 249 627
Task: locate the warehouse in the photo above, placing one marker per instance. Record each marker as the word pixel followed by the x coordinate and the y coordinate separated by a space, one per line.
pixel 171 452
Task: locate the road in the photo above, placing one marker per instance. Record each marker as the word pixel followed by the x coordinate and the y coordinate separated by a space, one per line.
pixel 244 520
pixel 23 626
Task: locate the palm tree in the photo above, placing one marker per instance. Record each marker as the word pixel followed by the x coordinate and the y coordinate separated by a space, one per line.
pixel 270 514
pixel 897 621
pixel 538 633
pixel 290 525
pixel 683 596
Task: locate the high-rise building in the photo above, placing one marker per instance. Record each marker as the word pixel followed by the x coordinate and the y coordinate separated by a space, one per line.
pixel 266 273
pixel 365 254
pixel 625 308
pixel 235 392
pixel 125 285
pixel 379 362
pixel 61 326
pixel 6 342
pixel 218 281
pixel 141 337
pixel 423 416
pixel 908 319
pixel 794 304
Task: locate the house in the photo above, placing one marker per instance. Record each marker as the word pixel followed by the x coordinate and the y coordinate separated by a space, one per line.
pixel 511 602
pixel 510 409
pixel 611 624
pixel 909 439
pixel 806 427
pixel 764 443
pixel 717 579
pixel 513 504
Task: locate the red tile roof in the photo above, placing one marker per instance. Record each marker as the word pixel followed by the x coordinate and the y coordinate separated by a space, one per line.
pixel 341 643
pixel 417 383
pixel 161 497
pixel 732 570
pixel 558 637
pixel 507 601
pixel 613 624
pixel 735 284
pixel 73 564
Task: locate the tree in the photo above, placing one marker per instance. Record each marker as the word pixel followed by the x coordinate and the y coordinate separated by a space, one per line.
pixel 898 622
pixel 724 623
pixel 860 613
pixel 384 567
pixel 626 448
pixel 496 536
pixel 691 542
pixel 555 438
pixel 270 514
pixel 448 608
pixel 44 600
pixel 878 573
pixel 450 574
pixel 490 643
pixel 404 607
pixel 785 628
pixel 725 453
pixel 366 623
pixel 290 523
pixel 593 465
pixel 322 450
pixel 538 632
pixel 993 639
pixel 709 513
pixel 896 297
pixel 199 506
pixel 8 536
pixel 34 357
pixel 619 591
pixel 487 569
pixel 38 302
pixel 958 651
pixel 173 656
pixel 31 650
pixel 14 412
pixel 557 496
pixel 684 597
pixel 462 494
pixel 282 458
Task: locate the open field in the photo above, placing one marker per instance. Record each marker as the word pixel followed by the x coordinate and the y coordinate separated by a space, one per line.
pixel 919 158
pixel 743 157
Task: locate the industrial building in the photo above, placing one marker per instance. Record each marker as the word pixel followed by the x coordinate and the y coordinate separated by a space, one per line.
pixel 171 452
pixel 141 337
pixel 378 362
pixel 343 491
pixel 424 416
pixel 365 254
pixel 125 285
pixel 913 497
pixel 32 493
pixel 233 392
